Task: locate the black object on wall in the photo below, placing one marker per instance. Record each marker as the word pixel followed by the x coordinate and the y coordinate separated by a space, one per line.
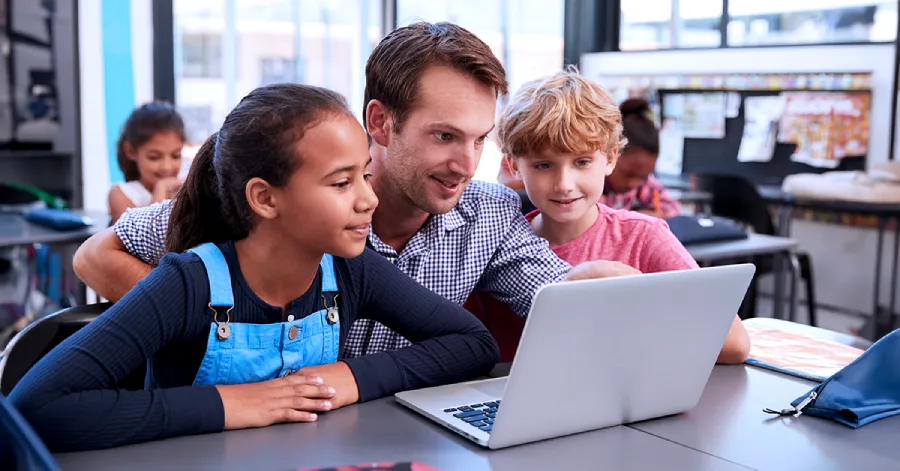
pixel 163 51
pixel 720 155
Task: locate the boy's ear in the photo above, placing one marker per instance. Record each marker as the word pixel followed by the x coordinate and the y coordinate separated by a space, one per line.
pixel 611 161
pixel 513 164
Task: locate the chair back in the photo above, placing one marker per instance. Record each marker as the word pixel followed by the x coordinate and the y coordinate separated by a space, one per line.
pixel 736 198
pixel 38 338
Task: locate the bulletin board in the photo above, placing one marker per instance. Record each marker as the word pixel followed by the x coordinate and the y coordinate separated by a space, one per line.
pixel 716 149
pixel 720 155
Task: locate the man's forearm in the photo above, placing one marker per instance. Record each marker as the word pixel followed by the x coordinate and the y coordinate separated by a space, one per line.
pixel 104 264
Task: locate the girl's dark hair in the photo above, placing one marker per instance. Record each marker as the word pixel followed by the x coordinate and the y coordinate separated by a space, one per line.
pixel 257 140
pixel 144 123
pixel 637 125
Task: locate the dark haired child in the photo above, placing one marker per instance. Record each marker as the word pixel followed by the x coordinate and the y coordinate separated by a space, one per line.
pixel 149 154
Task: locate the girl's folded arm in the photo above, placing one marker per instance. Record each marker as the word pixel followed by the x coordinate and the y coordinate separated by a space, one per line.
pixel 70 395
pixel 450 344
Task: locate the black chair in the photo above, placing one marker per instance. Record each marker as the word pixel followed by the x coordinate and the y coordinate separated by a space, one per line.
pixel 527 205
pixel 36 340
pixel 737 198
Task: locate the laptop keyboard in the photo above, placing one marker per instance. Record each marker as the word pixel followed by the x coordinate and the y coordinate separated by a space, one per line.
pixel 480 416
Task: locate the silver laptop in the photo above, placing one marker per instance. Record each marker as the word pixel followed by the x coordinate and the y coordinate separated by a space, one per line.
pixel 598 353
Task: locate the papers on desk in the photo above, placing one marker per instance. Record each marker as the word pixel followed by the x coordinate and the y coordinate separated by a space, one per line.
pixel 798 355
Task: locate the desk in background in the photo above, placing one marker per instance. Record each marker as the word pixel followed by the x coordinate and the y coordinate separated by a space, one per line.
pixel 15 230
pixel 757 244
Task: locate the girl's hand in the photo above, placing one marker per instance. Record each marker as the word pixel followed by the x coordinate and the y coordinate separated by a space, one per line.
pixel 338 376
pixel 293 398
pixel 166 189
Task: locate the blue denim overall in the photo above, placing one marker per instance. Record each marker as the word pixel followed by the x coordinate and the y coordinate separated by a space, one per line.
pixel 239 353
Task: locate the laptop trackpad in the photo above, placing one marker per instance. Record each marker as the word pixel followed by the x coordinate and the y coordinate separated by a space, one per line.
pixel 491 387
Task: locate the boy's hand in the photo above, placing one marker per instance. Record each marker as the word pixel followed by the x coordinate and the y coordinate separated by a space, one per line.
pixel 338 376
pixel 600 269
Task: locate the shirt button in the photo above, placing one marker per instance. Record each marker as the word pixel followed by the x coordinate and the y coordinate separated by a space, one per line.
pixel 291 318
pixel 292 333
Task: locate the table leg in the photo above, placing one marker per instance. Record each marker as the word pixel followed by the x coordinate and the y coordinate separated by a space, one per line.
pixel 890 319
pixel 879 247
pixel 778 306
pixel 795 282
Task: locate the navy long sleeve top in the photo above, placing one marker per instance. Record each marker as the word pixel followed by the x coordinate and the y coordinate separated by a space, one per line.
pixel 69 396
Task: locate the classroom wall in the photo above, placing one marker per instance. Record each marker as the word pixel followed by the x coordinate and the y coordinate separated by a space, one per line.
pixel 116 71
pixel 843 257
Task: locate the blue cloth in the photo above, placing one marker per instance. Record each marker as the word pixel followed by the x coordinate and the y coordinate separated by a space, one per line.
pixel 251 353
pixel 866 390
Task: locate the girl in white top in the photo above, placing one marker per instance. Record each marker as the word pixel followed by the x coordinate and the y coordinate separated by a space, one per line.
pixel 149 154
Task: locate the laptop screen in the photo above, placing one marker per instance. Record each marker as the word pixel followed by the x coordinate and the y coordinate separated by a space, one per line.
pixel 20 447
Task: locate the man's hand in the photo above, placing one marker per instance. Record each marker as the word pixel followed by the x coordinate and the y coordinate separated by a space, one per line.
pixel 600 269
pixel 338 376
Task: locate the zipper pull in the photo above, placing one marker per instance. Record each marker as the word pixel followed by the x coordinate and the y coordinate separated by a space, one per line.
pixel 794 410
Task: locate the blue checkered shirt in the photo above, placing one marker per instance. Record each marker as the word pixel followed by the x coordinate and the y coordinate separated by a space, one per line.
pixel 483 243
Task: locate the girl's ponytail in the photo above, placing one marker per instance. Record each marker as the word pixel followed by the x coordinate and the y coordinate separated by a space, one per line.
pixel 197 216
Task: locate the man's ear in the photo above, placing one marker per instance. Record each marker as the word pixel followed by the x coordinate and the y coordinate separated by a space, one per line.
pixel 379 122
pixel 513 164
pixel 611 161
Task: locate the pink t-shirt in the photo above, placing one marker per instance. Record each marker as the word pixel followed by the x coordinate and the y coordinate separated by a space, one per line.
pixel 637 240
pixel 643 242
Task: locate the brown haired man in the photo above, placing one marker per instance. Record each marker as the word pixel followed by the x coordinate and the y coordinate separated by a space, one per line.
pixel 431 94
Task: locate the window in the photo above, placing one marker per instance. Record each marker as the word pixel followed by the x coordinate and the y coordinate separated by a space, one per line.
pixel 648 24
pixel 226 48
pixel 759 22
pixel 202 55
pixel 670 24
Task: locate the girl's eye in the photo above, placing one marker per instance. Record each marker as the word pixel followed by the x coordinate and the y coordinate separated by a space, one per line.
pixel 367 176
pixel 341 184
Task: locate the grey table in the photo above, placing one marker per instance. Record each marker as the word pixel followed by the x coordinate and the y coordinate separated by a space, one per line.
pixel 15 230
pixel 757 244
pixel 726 431
pixel 385 431
pixel 729 423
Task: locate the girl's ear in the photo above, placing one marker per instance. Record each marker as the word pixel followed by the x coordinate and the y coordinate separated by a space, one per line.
pixel 130 151
pixel 261 198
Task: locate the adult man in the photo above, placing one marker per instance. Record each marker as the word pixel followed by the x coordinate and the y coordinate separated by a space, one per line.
pixel 431 92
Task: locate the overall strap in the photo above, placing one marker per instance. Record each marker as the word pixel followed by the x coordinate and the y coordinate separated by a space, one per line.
pixel 329 282
pixel 220 294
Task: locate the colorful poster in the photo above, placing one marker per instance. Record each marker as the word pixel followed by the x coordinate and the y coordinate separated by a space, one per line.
pixel 826 126
pixel 700 115
pixel 671 149
pixel 798 355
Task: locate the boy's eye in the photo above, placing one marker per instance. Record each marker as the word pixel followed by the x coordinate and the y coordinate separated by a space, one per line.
pixel 542 165
pixel 443 136
pixel 481 139
pixel 582 162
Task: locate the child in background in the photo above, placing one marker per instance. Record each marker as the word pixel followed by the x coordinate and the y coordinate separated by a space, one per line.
pixel 244 323
pixel 149 154
pixel 631 185
pixel 561 136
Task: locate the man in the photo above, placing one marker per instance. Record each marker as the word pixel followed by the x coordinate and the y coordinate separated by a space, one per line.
pixel 431 93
